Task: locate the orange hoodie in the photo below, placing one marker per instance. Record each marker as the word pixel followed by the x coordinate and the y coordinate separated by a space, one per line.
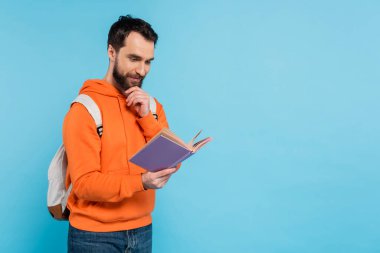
pixel 108 194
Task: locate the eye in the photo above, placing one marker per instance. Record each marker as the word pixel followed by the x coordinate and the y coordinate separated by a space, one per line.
pixel 147 62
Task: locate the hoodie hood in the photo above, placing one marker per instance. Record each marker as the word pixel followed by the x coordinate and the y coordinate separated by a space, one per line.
pixel 100 86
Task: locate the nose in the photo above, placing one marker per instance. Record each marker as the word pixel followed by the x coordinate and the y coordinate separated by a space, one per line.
pixel 141 69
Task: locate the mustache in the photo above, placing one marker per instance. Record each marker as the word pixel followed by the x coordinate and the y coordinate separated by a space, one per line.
pixel 137 76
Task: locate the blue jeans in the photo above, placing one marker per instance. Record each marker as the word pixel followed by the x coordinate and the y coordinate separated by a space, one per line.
pixel 137 240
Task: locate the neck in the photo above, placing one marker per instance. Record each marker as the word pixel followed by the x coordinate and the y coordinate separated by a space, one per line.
pixel 109 79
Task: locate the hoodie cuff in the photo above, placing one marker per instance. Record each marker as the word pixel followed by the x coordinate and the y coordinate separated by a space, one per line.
pixel 149 125
pixel 132 184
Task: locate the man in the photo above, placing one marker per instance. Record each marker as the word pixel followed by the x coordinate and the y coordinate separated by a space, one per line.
pixel 112 199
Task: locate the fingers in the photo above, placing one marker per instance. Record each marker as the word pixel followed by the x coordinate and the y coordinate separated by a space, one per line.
pixel 137 100
pixel 136 93
pixel 132 89
pixel 162 180
pixel 163 183
pixel 165 172
pixel 160 184
pixel 157 180
pixel 163 177
pixel 136 96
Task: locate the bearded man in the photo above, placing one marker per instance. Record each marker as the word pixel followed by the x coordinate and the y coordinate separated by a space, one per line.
pixel 112 199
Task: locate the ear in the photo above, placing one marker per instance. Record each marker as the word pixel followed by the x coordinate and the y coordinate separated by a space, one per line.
pixel 111 53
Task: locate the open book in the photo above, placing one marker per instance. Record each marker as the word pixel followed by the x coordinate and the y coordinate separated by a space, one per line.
pixel 166 150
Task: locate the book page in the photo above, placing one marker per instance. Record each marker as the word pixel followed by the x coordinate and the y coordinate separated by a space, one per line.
pixel 200 144
pixel 170 135
pixel 191 143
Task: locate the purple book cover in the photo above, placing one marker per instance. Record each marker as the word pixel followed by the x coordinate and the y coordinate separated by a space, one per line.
pixel 160 154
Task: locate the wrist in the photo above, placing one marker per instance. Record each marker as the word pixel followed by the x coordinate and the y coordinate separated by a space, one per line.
pixel 143 180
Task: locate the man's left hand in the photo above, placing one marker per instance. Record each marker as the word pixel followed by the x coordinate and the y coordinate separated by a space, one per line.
pixel 138 100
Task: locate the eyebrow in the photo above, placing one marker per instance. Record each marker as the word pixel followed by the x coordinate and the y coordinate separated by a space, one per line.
pixel 138 57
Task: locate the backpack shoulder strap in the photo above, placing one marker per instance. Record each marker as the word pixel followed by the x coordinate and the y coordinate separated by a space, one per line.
pixel 153 106
pixel 93 109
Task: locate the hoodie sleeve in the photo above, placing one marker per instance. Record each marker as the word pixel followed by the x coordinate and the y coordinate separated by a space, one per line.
pixel 83 147
pixel 150 125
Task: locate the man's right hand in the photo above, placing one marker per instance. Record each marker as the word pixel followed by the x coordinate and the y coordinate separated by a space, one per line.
pixel 157 180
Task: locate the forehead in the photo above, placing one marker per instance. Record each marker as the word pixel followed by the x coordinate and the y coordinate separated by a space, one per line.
pixel 135 43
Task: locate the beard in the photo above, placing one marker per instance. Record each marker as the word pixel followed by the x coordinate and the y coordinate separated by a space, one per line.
pixel 122 80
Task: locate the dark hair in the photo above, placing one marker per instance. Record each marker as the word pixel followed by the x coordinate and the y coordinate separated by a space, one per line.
pixel 126 24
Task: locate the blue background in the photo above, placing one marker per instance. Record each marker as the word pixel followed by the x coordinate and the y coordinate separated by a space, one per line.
pixel 288 89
